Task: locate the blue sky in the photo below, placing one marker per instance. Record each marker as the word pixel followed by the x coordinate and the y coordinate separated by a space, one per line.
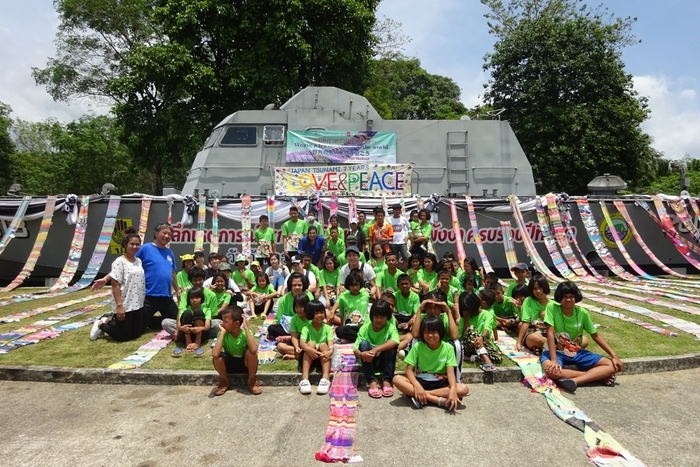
pixel 450 37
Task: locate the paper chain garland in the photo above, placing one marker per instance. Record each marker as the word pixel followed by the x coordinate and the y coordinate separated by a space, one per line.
pixel 459 241
pixel 620 245
pixel 477 236
pixel 143 354
pixel 46 222
pixel 19 215
pixel 76 250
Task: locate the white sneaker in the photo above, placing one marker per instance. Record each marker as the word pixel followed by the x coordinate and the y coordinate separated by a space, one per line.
pixel 401 354
pixel 96 332
pixel 323 387
pixel 305 386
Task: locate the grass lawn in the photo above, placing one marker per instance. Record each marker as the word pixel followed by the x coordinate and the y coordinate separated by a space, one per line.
pixel 74 349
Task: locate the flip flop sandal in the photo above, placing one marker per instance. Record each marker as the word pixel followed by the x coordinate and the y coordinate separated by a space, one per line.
pixel 610 381
pixel 387 391
pixel 221 390
pixel 199 353
pixel 375 393
pixel 488 367
pixel 177 352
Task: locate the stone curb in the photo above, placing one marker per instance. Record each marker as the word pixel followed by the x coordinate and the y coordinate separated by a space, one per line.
pixel 633 366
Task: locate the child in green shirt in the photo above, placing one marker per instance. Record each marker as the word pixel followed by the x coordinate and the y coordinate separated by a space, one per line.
pixel 192 322
pixel 330 275
pixel 236 351
pixel 317 345
pixel 351 308
pixel 505 309
pixel 265 238
pixel 183 280
pixel 431 369
pixel 375 347
pixel 261 296
pixel 293 350
pixel 244 278
pixel 334 242
pixel 407 304
pixel 477 337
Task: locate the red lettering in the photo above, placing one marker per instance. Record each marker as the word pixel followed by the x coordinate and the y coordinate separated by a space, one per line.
pixel 319 183
pixel 331 181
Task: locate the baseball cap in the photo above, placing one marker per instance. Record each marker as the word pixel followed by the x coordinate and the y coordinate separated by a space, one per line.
pixel 353 220
pixel 255 263
pixel 351 239
pixel 187 257
pixel 353 249
pixel 296 259
pixel 520 266
pixel 224 267
pixel 240 258
pixel 198 254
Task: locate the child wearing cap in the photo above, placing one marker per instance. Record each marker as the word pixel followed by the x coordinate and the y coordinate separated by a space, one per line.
pixel 356 232
pixel 520 271
pixel 183 280
pixel 244 278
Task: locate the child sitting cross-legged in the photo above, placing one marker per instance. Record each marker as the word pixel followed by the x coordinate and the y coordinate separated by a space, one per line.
pixel 192 322
pixel 236 351
pixel 430 369
pixel 317 347
pixel 376 346
pixel 566 321
pixel 292 350
pixel 477 337
pixel 505 308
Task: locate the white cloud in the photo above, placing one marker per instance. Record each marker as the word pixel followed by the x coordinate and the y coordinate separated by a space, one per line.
pixel 675 114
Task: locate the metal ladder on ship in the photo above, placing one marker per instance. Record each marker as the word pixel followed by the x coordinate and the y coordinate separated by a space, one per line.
pixel 457 161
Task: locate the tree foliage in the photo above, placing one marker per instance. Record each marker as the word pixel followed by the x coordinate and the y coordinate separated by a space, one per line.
pixel 557 71
pixel 400 89
pixel 78 157
pixel 6 146
pixel 175 68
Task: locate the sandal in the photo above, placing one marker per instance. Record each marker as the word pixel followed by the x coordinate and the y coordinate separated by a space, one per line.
pixel 387 391
pixel 221 389
pixel 177 352
pixel 254 387
pixel 610 381
pixel 199 353
pixel 375 393
pixel 488 367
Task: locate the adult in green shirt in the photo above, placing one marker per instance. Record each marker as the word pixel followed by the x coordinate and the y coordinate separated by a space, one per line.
pixel 375 347
pixel 387 279
pixel 296 284
pixel 292 232
pixel 244 278
pixel 236 351
pixel 431 368
pixel 566 322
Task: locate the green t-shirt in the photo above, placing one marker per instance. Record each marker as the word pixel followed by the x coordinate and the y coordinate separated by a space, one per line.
pixel 330 278
pixel 476 276
pixel 365 228
pixel 430 363
pixel 238 278
pixel 573 325
pixel 318 336
pixel 407 305
pixel 183 280
pixel 297 324
pixel 511 286
pixel 208 306
pixel 415 226
pixel 507 309
pixel 265 240
pixel 294 231
pixel 337 248
pixel 486 320
pixel 379 266
pixel 221 298
pixel 424 230
pixel 450 294
pixel 235 346
pixel 386 280
pixel 376 338
pixel 430 278
pixel 317 272
pixel 341 260
pixel 530 310
pixel 414 275
pixel 353 309
pixel 454 282
pixel 285 305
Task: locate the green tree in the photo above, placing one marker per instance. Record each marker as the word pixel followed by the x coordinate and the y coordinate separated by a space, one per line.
pixel 7 147
pixel 557 72
pixel 400 89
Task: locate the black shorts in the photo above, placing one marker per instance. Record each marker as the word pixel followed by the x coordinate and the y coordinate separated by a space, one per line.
pixel 315 364
pixel 234 364
pixel 430 385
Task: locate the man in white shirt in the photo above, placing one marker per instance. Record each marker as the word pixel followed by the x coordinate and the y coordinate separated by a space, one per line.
pixel 401 228
pixel 352 255
pixel 298 266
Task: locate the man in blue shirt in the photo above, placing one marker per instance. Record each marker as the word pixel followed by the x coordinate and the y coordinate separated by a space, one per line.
pixel 313 244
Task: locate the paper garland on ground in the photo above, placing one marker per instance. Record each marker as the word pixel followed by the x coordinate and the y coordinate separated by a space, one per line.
pixel 623 317
pixel 56 306
pixel 46 222
pixel 12 228
pixel 597 440
pixel 340 434
pixel 143 354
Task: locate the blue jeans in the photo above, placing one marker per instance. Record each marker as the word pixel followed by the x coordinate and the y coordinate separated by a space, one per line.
pixel 386 361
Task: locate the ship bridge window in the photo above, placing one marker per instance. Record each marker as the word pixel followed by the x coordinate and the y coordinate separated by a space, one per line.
pixel 273 135
pixel 240 136
pixel 212 138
